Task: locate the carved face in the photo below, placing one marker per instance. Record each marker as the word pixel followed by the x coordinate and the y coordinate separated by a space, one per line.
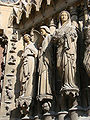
pixel 43 32
pixel 45 106
pixel 26 38
pixel 64 17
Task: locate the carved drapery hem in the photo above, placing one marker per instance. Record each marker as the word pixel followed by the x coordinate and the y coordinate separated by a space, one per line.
pixel 41 97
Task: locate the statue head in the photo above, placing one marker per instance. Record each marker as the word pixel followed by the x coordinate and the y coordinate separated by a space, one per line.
pixel 27 38
pixel 44 30
pixel 64 16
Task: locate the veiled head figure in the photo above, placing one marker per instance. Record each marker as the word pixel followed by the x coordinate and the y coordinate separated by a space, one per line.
pixel 64 18
pixel 66 35
pixel 44 30
pixel 27 38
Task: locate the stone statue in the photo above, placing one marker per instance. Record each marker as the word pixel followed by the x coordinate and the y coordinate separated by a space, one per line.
pixel 45 83
pixel 66 36
pixel 27 71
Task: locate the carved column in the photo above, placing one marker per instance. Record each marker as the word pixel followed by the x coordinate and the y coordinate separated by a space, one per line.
pixel 8 96
pixel 3 52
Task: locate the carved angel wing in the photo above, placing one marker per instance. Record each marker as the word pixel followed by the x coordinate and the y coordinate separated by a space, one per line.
pixel 38 38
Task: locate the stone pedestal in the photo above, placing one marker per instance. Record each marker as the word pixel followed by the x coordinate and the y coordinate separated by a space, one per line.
pixel 27 118
pixel 75 112
pixel 36 118
pixel 61 115
pixel 47 116
pixel 73 115
pixel 68 91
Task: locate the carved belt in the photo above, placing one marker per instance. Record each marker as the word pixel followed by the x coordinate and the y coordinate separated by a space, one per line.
pixel 30 55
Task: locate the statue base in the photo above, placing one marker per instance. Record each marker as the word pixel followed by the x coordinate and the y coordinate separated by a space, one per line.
pixel 27 118
pixel 36 118
pixel 76 111
pixel 62 114
pixel 47 116
pixel 70 90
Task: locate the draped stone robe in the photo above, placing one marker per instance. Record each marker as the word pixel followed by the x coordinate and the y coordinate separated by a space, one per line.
pixel 66 37
pixel 46 80
pixel 28 69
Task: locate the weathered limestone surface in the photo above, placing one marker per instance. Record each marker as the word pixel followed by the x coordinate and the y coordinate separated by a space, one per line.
pixel 47 60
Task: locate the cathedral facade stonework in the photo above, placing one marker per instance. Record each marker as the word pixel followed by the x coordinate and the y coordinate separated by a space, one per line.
pixel 45 60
